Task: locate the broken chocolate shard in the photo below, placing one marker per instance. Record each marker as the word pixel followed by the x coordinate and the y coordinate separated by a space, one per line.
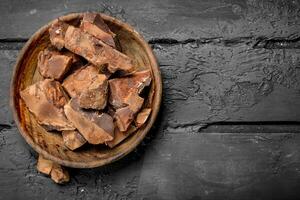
pixel 134 101
pixel 75 58
pixel 95 96
pixel 121 136
pixel 142 117
pixel 78 82
pixel 46 99
pixel 136 82
pixel 124 117
pixel 44 165
pixel 92 23
pixel 57 33
pixel 88 86
pixel 73 139
pixel 125 91
pixel 53 65
pixel 95 128
pixel 96 51
pixel 59 174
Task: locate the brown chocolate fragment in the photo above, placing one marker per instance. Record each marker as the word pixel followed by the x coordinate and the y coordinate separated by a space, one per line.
pixel 78 82
pixel 120 136
pixel 59 174
pixel 134 101
pixel 96 51
pixel 46 99
pixel 53 65
pixel 43 165
pixel 93 24
pixel 124 91
pixel 95 96
pixel 124 117
pixel 142 117
pixel 88 86
pixel 57 33
pixel 95 128
pixel 75 58
pixel 73 139
pixel 119 99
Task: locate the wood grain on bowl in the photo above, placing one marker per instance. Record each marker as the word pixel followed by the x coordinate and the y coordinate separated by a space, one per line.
pixel 50 144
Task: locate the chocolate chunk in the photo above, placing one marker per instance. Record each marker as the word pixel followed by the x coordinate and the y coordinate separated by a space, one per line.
pixel 89 86
pixel 124 117
pixel 73 139
pixel 95 128
pixel 124 91
pixel 119 99
pixel 75 58
pixel 57 34
pixel 142 117
pixel 78 82
pixel 43 165
pixel 96 51
pixel 53 65
pixel 93 24
pixel 134 101
pixel 46 99
pixel 95 96
pixel 59 174
pixel 120 136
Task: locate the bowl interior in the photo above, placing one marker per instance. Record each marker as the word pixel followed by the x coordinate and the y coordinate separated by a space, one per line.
pixel 50 144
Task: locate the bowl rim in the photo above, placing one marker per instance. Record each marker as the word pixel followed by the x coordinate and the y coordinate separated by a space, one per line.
pixel 156 98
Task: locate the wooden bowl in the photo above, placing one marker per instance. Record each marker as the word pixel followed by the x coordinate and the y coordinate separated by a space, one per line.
pixel 50 144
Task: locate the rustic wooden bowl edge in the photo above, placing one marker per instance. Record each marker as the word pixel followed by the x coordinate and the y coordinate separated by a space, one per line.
pixel 156 98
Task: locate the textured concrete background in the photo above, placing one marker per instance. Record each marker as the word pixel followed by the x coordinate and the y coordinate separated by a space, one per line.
pixel 229 126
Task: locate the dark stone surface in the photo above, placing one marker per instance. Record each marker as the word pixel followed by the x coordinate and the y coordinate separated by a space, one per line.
pixel 172 164
pixel 208 83
pixel 7 61
pixel 229 124
pixel 174 19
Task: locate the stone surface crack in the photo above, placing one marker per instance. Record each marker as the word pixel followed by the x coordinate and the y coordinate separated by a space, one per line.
pixel 278 43
pixel 13 40
pixel 5 126
pixel 260 42
pixel 201 41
